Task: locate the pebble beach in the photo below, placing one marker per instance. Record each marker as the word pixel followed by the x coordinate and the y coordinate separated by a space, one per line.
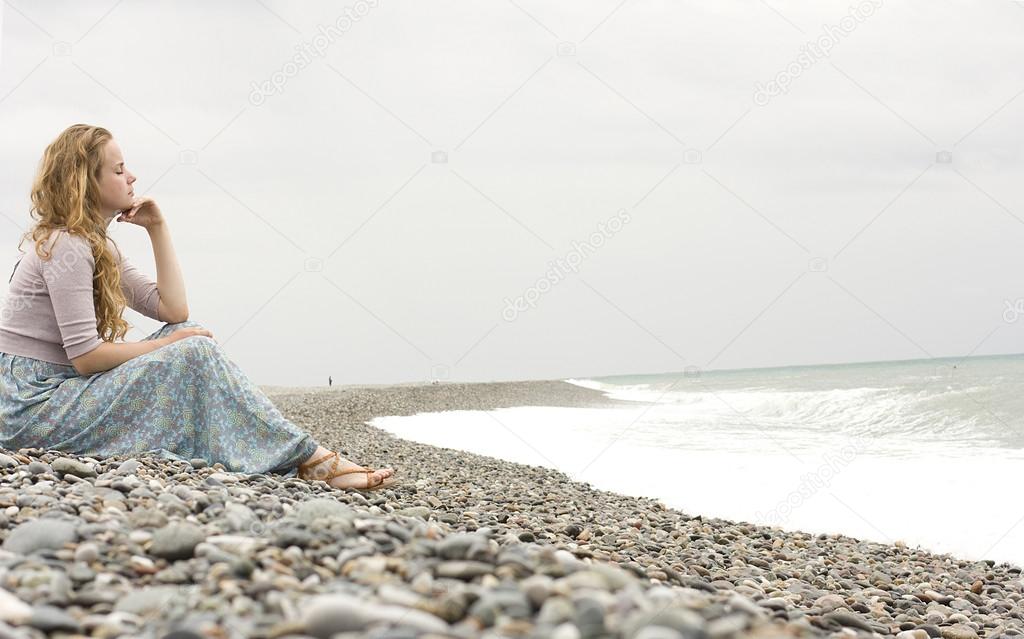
pixel 464 546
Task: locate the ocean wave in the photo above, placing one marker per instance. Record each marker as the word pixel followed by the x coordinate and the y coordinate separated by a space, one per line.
pixel 866 411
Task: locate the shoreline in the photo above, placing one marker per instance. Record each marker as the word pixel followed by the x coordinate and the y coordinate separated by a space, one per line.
pixel 670 464
pixel 463 395
pixel 465 546
pixel 485 396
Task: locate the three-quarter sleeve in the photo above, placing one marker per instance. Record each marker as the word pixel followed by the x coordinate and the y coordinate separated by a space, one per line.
pixel 68 275
pixel 139 290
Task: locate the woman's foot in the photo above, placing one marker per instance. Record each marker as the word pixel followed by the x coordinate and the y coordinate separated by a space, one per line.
pixel 332 463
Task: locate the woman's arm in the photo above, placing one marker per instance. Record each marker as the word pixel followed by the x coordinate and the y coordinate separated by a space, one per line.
pixel 108 355
pixel 68 276
pixel 173 306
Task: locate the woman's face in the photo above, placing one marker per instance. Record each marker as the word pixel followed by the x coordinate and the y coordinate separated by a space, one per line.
pixel 116 190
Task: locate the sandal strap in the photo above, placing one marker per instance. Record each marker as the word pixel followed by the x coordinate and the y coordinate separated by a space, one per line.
pixel 304 471
pixel 339 473
pixel 334 472
pixel 370 485
pixel 314 462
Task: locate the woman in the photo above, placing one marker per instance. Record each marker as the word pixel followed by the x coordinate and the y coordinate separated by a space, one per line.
pixel 66 384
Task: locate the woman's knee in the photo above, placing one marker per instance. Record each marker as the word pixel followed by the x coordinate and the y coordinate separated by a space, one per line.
pixel 196 350
pixel 197 342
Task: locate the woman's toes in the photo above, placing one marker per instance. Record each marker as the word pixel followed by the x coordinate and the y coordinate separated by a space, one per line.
pixel 352 480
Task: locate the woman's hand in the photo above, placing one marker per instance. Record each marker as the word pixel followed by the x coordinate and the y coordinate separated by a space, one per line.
pixel 182 333
pixel 144 212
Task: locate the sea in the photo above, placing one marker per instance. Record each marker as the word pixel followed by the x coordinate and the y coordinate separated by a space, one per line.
pixel 929 453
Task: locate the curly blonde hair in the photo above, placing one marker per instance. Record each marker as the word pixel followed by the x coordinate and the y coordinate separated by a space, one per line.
pixel 66 196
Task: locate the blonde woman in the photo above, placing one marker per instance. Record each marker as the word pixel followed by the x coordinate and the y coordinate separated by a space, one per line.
pixel 66 381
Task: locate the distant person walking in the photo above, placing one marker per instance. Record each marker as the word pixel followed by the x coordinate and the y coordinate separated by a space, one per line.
pixel 67 385
pixel 329 381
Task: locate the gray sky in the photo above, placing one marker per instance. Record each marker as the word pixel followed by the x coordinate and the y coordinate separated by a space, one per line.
pixel 873 210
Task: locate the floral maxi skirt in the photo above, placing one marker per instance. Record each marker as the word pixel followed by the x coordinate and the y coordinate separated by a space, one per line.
pixel 183 400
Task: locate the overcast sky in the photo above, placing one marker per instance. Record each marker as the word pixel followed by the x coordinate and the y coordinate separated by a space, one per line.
pixel 387 212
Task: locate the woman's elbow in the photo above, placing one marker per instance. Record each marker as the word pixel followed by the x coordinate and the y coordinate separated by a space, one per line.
pixel 81 365
pixel 172 315
pixel 91 361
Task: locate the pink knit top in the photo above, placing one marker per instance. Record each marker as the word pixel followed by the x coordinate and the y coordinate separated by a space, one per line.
pixel 49 313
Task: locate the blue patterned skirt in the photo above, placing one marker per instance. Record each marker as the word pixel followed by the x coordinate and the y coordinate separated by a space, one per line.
pixel 181 401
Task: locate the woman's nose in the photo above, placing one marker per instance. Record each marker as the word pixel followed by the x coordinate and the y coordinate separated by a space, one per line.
pixel 131 178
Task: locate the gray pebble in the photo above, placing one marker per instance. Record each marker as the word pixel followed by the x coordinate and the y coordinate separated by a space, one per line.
pixel 555 611
pixel 147 601
pixel 589 617
pixel 512 603
pixel 52 619
pixel 176 541
pixel 238 517
pixel 330 614
pixel 37 467
pixel 311 511
pixel 462 569
pixel 68 466
pixel 415 511
pixel 658 632
pixel 40 534
pixel 850 620
pixel 147 518
pixel 128 467
pixel 687 622
pixel 461 546
pixel 292 536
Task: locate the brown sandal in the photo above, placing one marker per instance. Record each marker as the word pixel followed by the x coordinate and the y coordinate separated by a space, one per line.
pixel 304 473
